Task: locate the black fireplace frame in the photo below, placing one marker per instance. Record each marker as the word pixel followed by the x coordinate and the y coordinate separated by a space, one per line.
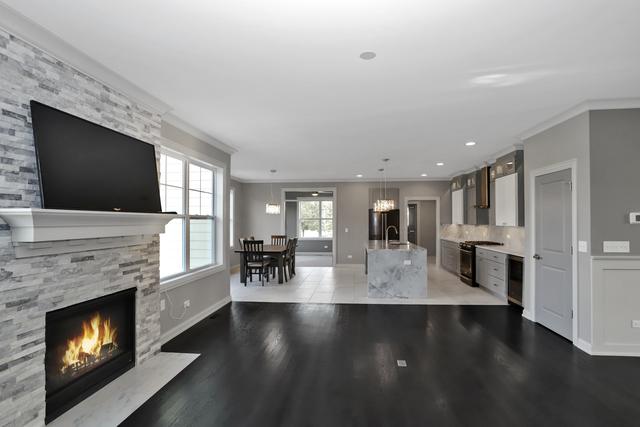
pixel 73 393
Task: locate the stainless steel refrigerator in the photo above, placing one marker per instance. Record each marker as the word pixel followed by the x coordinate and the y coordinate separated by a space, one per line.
pixel 379 221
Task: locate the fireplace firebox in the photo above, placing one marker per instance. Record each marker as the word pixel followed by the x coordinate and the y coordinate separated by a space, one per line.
pixel 87 345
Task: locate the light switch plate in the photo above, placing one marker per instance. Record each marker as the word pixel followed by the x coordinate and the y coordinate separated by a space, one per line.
pixel 407 262
pixel 349 256
pixel 583 246
pixel 346 229
pixel 634 218
pixel 162 306
pixel 615 246
pixel 635 323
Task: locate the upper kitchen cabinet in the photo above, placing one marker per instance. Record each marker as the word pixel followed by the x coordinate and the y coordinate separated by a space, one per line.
pixel 508 177
pixel 458 199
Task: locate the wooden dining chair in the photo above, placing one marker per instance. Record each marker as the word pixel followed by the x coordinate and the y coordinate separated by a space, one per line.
pixel 278 240
pixel 254 260
pixel 288 259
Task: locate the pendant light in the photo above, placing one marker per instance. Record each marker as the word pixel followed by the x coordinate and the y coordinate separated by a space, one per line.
pixel 383 204
pixel 272 208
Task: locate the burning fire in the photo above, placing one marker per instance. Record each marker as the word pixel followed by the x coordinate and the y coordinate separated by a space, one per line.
pixel 97 342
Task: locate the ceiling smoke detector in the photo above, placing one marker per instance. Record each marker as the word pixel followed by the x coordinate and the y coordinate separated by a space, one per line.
pixel 367 56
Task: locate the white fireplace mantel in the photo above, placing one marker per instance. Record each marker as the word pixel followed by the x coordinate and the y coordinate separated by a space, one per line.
pixel 33 225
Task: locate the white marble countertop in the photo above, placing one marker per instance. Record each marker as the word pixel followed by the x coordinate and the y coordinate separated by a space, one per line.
pixel 374 245
pixel 452 239
pixel 502 249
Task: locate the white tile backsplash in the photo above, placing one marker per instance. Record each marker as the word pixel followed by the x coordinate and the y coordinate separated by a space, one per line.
pixel 512 237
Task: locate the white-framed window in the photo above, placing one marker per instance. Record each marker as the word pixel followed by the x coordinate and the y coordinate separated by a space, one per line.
pixel 187 187
pixel 315 218
pixel 232 202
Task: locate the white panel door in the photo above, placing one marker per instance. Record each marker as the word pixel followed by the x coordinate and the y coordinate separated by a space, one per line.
pixel 457 207
pixel 553 263
pixel 507 200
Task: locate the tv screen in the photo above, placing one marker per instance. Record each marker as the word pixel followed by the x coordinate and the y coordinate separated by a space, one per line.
pixel 84 166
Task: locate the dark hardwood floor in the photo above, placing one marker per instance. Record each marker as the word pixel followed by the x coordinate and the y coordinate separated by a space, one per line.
pixel 266 364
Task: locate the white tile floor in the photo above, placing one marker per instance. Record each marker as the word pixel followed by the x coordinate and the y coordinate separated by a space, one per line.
pixel 348 285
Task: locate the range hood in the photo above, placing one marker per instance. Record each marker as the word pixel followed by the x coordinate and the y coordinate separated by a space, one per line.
pixel 483 188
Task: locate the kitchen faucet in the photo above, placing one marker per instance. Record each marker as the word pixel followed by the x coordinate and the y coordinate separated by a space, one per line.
pixel 387 232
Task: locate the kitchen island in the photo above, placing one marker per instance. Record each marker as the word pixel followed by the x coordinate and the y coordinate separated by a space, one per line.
pixel 396 270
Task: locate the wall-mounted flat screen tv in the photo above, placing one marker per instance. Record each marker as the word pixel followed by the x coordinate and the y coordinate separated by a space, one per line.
pixel 84 166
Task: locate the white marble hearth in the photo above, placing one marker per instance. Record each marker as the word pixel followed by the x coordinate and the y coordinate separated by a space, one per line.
pixel 112 404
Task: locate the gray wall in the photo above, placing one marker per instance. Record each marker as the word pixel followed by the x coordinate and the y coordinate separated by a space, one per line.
pixel 211 290
pixel 238 187
pixel 566 141
pixel 615 190
pixel 351 210
pixel 428 226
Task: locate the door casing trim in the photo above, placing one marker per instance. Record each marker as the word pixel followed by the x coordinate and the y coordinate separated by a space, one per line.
pixel 403 230
pixel 530 309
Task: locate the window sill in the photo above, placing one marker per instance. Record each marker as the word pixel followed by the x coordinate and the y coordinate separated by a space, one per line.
pixel 185 279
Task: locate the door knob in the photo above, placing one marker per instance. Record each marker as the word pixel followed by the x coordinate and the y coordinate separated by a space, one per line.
pixel 536 256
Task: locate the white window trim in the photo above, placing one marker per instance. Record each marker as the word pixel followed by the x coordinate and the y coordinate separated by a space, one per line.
pixel 315 199
pixel 218 264
pixel 232 219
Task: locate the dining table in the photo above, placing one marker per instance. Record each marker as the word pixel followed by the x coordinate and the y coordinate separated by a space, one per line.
pixel 275 251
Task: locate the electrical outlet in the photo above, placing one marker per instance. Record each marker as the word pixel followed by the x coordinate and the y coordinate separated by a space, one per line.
pixel 407 262
pixel 635 323
pixel 187 303
pixel 326 247
pixel 162 305
pixel 583 246
pixel 349 256
pixel 346 229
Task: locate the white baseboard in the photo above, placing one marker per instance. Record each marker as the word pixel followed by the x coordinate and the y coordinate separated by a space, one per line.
pixel 584 346
pixel 528 315
pixel 177 330
pixel 615 353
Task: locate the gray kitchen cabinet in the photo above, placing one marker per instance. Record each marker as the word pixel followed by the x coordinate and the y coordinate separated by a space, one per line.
pixel 450 256
pixel 491 271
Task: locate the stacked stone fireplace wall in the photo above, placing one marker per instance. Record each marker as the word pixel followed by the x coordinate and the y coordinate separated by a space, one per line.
pixel 29 287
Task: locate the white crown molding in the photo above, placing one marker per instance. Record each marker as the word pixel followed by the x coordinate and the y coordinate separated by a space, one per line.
pixel 41 38
pixel 588 105
pixel 335 181
pixel 176 121
pixel 492 159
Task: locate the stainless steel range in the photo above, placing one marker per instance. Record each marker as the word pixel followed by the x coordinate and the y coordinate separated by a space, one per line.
pixel 468 259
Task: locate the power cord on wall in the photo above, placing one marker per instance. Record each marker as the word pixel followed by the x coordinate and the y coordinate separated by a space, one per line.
pixel 184 309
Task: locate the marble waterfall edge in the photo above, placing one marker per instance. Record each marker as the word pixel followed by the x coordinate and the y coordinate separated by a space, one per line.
pixel 396 271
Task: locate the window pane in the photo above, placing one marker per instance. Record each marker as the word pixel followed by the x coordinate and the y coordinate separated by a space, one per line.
pixel 194 202
pixel 194 177
pixel 327 209
pixel 171 248
pixel 173 200
pixel 309 209
pixel 206 179
pixel 173 172
pixel 309 228
pixel 206 204
pixel 327 228
pixel 163 168
pixel 201 249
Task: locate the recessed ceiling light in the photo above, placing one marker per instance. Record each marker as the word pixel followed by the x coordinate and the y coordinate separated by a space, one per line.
pixel 423 174
pixel 359 175
pixel 315 194
pixel 470 143
pixel 367 56
pixel 440 164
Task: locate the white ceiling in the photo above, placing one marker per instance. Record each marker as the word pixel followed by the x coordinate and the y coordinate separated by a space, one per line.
pixel 283 83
